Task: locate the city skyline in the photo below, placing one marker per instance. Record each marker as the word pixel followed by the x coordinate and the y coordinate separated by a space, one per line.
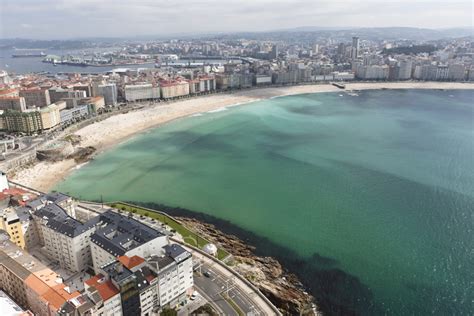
pixel 58 19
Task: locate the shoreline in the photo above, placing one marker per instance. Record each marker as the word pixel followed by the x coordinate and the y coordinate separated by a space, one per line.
pixel 113 131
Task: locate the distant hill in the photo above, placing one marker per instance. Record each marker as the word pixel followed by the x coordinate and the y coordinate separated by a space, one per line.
pixel 413 33
pixel 298 34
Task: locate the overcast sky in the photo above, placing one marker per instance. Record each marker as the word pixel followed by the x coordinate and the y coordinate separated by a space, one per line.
pixel 113 18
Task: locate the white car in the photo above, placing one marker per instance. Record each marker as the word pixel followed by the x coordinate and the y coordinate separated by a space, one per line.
pixel 194 296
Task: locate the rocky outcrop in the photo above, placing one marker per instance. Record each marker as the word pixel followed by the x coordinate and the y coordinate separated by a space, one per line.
pixel 82 154
pixel 55 151
pixel 281 287
pixel 68 148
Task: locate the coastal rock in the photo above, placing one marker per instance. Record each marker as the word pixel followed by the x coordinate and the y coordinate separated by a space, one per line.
pixel 55 151
pixel 283 289
pixel 82 154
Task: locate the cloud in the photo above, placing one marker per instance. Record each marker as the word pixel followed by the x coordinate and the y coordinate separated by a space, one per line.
pixel 86 18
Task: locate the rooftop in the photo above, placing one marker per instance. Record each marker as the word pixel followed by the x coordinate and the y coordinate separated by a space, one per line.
pixel 116 271
pixel 131 262
pixel 118 234
pixel 57 219
pixel 176 252
pixel 105 288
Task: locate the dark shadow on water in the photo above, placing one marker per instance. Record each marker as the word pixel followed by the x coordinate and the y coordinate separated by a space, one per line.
pixel 336 292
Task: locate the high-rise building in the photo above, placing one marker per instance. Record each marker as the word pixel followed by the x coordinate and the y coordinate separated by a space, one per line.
pixel 36 97
pixel 405 69
pixel 109 92
pixel 274 52
pixel 355 48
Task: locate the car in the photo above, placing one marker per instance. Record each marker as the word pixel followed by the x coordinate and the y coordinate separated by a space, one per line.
pixel 207 274
pixel 194 296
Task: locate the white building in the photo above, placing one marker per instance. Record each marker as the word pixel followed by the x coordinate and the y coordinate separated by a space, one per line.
pixel 174 88
pixel 261 80
pixel 118 235
pixel 64 239
pixel 355 48
pixel 175 274
pixel 3 181
pixel 372 72
pixel 141 92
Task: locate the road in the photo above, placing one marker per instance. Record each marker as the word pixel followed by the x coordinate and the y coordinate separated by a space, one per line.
pixel 211 290
pixel 217 284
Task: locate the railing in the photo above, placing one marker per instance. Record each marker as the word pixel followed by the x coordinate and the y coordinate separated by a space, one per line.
pixel 16 184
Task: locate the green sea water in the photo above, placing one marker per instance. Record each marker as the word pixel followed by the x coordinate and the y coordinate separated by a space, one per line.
pixel 368 198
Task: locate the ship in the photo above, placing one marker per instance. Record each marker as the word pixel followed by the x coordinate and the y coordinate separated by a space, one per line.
pixel 29 55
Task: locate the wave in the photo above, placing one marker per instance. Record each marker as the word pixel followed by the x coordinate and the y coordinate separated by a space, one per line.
pixel 79 166
pixel 218 110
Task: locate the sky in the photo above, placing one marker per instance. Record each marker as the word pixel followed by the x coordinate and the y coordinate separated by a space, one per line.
pixel 65 19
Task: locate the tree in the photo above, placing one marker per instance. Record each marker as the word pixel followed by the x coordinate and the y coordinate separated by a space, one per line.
pixel 168 312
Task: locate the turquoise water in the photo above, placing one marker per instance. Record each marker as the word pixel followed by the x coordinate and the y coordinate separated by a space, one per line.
pixel 368 198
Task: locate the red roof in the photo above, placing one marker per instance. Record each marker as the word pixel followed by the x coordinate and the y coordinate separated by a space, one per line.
pixel 131 262
pixel 10 98
pixel 8 91
pixel 105 288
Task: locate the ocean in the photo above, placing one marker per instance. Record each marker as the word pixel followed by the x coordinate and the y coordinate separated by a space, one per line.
pixel 369 199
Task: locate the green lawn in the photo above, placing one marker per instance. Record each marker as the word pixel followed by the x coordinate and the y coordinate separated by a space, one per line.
pixel 189 236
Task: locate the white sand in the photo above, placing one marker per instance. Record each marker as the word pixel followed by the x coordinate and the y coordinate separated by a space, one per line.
pixel 111 131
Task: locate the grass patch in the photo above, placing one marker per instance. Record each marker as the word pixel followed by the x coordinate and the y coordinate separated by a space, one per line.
pixel 189 236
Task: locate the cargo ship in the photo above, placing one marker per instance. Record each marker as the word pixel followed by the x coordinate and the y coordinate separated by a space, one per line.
pixel 29 55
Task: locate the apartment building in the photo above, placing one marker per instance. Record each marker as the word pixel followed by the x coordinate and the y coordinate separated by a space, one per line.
pixel 19 226
pixel 28 121
pixel 29 282
pixel 139 92
pixel 36 97
pixel 64 239
pixel 174 272
pixel 50 117
pixel 57 94
pixel 13 103
pixel 202 84
pixel 119 235
pixel 174 88
pixel 79 112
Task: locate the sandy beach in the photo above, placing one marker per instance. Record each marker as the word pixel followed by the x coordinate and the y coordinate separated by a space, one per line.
pixel 118 128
